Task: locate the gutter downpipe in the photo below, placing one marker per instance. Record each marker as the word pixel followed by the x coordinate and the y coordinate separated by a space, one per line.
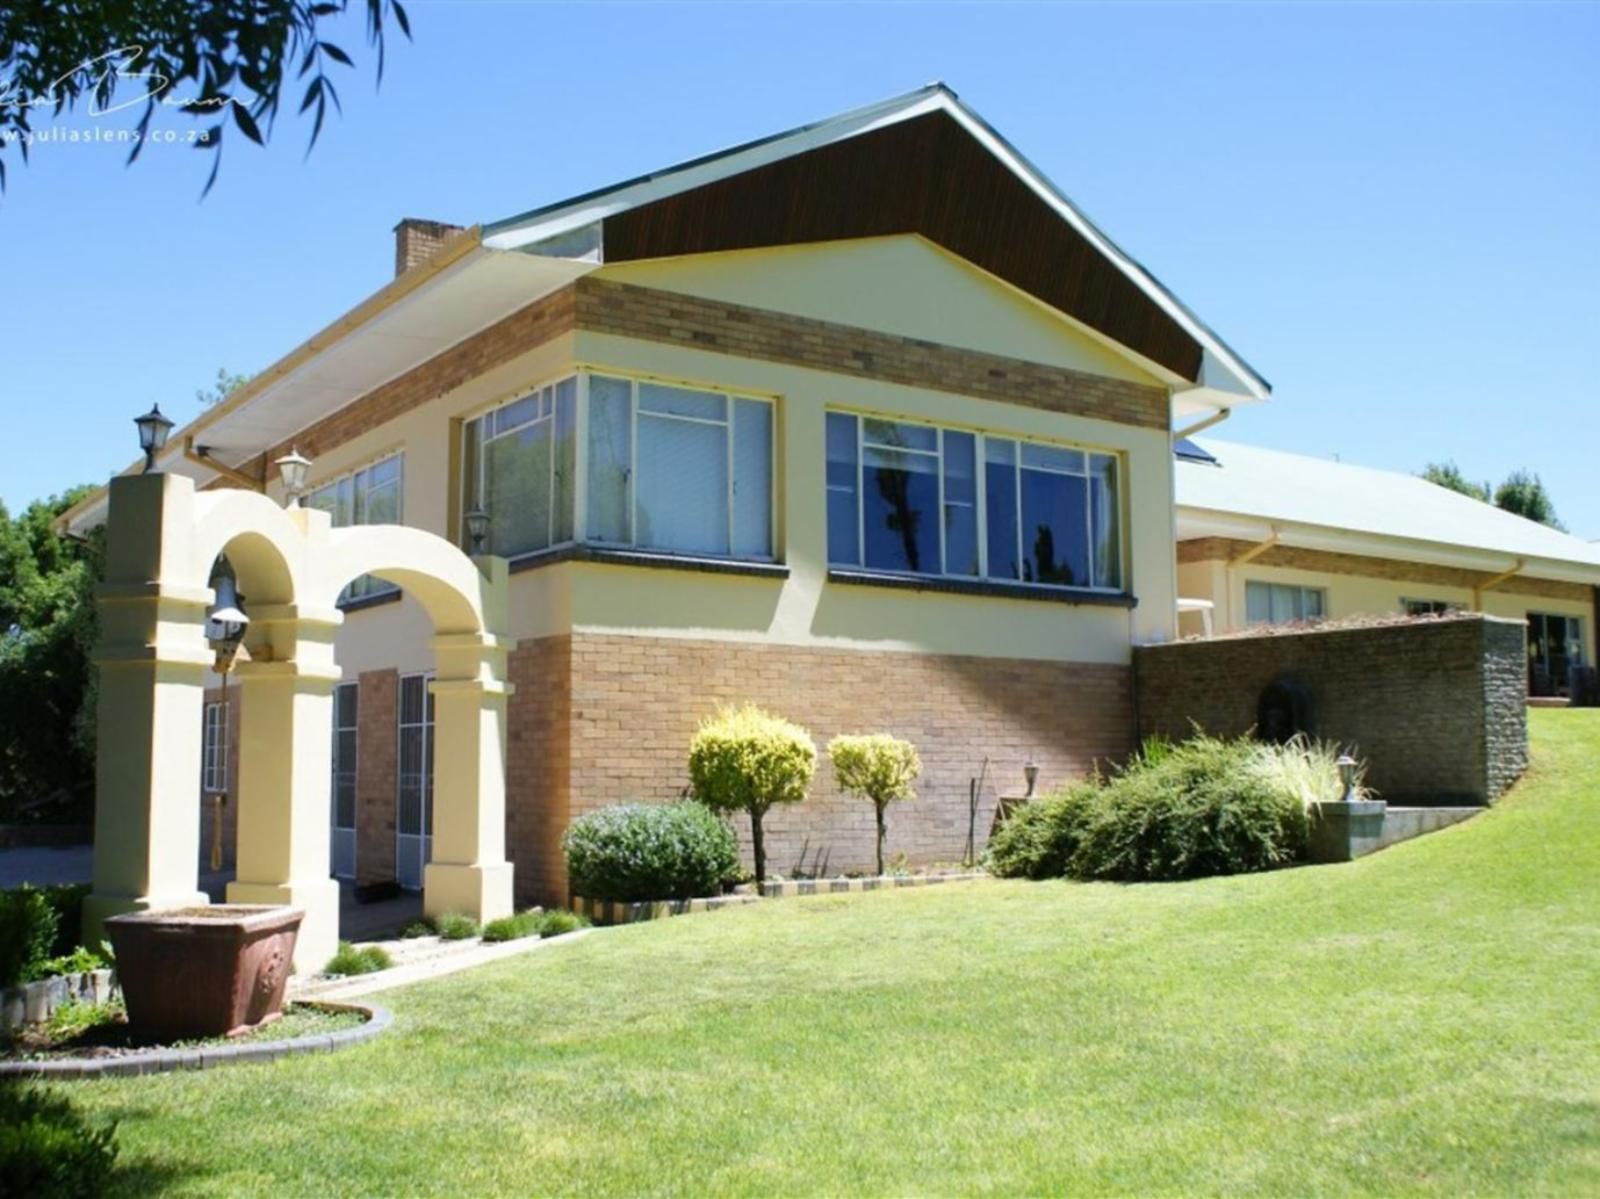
pixel 201 456
pixel 1491 583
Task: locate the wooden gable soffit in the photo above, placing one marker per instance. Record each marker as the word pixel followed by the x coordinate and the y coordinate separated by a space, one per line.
pixel 928 176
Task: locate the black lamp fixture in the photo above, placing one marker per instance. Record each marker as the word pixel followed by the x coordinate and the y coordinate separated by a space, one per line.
pixel 292 467
pixel 153 430
pixel 477 527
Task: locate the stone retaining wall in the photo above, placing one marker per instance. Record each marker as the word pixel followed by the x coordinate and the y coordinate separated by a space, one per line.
pixel 1435 706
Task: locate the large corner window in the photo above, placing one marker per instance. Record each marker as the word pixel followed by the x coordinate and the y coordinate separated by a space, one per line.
pixel 1283 603
pixel 370 496
pixel 916 499
pixel 519 464
pixel 679 470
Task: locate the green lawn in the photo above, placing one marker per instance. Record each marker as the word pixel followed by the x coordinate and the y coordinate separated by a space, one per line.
pixel 1427 1019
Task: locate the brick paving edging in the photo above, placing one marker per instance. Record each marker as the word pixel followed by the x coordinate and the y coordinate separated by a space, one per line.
pixel 162 1061
pixel 619 912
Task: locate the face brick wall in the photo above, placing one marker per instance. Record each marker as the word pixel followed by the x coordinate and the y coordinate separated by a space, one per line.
pixel 1436 707
pixel 601 719
pixel 376 733
pixel 1220 549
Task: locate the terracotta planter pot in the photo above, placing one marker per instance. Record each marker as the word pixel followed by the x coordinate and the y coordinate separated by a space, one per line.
pixel 204 972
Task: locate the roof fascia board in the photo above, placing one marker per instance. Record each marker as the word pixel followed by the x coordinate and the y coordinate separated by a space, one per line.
pixel 1204 522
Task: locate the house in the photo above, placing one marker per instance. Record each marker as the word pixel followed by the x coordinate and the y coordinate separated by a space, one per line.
pixel 865 422
pixel 1269 537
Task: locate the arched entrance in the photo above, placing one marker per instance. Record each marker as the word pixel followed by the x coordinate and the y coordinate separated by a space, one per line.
pixel 162 538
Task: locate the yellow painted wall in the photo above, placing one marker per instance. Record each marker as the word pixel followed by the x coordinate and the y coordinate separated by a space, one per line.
pixel 1357 595
pixel 804 609
pixel 904 285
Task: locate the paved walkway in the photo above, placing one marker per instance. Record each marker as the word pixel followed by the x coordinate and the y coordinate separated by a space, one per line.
pixel 75 864
pixel 421 958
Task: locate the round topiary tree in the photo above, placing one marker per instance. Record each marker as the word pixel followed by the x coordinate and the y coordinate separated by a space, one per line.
pixel 747 760
pixel 876 767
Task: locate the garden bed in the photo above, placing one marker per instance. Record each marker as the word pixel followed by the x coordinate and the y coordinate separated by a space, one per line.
pixel 605 911
pixel 102 1043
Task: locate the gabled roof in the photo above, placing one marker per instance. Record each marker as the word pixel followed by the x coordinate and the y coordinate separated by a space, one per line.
pixel 1316 500
pixel 920 163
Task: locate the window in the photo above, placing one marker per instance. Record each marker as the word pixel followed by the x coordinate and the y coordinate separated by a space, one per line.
pixel 1280 603
pixel 673 468
pixel 214 749
pixel 917 499
pixel 414 748
pixel 370 496
pixel 1423 607
pixel 519 465
pixel 342 825
pixel 1555 646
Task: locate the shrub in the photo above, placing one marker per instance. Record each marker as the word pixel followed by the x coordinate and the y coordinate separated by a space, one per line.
pixel 634 852
pixel 513 928
pixel 1038 840
pixel 1309 769
pixel 353 959
pixel 48 1150
pixel 553 924
pixel 417 928
pixel 455 926
pixel 747 760
pixel 29 923
pixel 79 961
pixel 879 768
pixel 1204 807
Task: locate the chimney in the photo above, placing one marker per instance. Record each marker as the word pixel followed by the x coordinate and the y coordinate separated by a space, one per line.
pixel 416 241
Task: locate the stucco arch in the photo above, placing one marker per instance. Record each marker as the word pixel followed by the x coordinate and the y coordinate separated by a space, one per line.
pixel 447 583
pixel 263 542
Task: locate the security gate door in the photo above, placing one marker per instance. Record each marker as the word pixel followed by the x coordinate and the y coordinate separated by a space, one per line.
pixel 414 815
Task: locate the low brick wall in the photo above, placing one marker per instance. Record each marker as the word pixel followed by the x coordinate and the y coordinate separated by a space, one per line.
pixel 1436 707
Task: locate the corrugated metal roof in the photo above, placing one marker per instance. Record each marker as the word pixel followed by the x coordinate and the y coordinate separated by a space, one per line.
pixel 1274 486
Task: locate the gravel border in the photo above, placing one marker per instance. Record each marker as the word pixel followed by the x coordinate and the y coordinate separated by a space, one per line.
pixel 209 1057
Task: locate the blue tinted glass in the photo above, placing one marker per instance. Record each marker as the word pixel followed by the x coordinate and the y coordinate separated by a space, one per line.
pixel 900 502
pixel 1000 499
pixel 1055 530
pixel 844 543
pixel 960 504
pixel 680 401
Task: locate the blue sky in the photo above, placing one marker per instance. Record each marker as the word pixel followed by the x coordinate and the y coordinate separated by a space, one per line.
pixel 1393 211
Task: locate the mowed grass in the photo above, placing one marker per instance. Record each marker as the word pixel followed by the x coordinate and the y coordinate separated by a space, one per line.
pixel 1425 1020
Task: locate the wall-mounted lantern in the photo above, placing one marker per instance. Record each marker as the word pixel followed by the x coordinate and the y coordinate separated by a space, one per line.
pixel 292 468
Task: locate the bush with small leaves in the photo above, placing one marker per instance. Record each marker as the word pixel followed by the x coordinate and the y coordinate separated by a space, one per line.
pixel 1038 839
pixel 358 959
pixel 879 768
pixel 632 852
pixel 417 928
pixel 455 926
pixel 48 1150
pixel 555 923
pixel 513 928
pixel 748 760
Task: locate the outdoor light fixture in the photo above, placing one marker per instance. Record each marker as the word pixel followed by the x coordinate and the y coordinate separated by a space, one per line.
pixel 1031 773
pixel 153 430
pixel 477 526
pixel 1347 775
pixel 292 468
pixel 225 625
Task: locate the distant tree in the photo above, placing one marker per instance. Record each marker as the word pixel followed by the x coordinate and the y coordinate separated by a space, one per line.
pixel 47 689
pixel 224 61
pixel 1524 494
pixel 1448 474
pixel 226 384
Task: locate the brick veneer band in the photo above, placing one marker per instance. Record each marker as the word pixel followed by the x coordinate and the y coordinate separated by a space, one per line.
pixel 1223 549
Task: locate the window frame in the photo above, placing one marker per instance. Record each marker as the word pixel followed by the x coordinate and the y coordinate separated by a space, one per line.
pixel 1302 588
pixel 981 438
pixel 365 586
pixel 214 748
pixel 583 465
pixel 579 427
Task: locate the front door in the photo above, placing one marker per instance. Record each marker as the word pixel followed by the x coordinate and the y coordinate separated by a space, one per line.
pixel 1555 646
pixel 343 815
pixel 414 815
